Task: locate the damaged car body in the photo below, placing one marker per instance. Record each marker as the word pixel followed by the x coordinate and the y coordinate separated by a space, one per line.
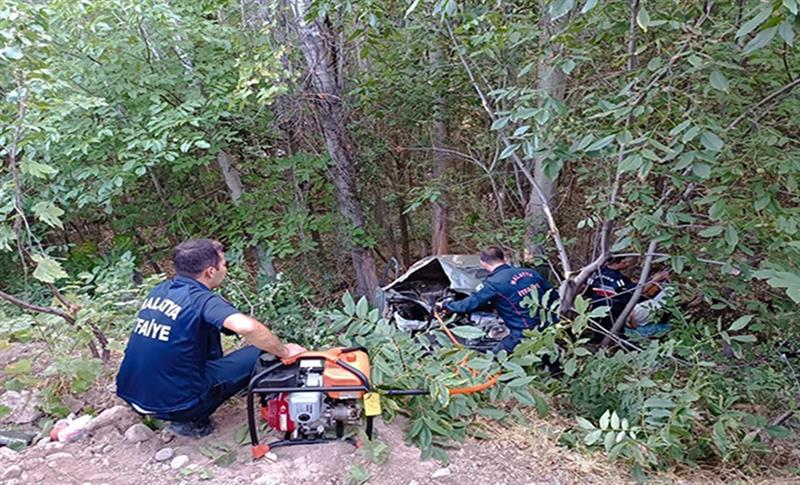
pixel 409 301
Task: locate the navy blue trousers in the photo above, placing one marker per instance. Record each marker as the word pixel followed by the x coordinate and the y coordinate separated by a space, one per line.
pixel 226 377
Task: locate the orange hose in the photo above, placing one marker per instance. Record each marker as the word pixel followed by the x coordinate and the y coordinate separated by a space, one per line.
pixel 476 388
pixel 469 389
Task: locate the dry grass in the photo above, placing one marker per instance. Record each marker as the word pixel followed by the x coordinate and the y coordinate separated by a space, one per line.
pixel 538 439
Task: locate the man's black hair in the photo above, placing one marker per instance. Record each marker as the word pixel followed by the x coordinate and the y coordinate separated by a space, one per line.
pixel 192 257
pixel 492 254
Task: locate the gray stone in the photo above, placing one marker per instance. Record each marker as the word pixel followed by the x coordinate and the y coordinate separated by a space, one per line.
pixel 441 473
pixel 413 482
pixel 60 456
pixel 179 461
pixel 266 480
pixel 7 453
pixel 271 457
pixel 121 417
pixel 138 433
pixel 164 454
pixel 11 472
pixel 24 406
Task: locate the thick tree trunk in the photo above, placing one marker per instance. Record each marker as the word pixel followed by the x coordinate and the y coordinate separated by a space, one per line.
pixel 441 162
pixel 551 83
pixel 266 267
pixel 316 41
pixel 400 205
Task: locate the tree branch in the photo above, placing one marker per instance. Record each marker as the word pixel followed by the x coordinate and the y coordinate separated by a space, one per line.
pixel 782 90
pixel 554 232
pixel 36 308
pixel 623 317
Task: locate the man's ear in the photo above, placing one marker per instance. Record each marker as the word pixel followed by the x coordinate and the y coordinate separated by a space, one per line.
pixel 208 272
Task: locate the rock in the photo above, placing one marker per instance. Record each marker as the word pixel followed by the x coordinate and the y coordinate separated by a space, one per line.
pixel 43 441
pixel 164 454
pixel 11 472
pixel 271 457
pixel 413 482
pixel 122 417
pixel 59 456
pixel 24 406
pixel 266 480
pixel 179 462
pixel 107 449
pixel 53 447
pixel 8 454
pixel 138 433
pixel 73 404
pixel 106 434
pixel 440 473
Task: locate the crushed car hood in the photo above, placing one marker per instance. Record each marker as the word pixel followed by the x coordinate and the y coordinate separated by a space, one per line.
pixel 462 271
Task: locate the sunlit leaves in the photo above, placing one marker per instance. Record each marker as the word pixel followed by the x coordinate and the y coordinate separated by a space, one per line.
pixel 48 270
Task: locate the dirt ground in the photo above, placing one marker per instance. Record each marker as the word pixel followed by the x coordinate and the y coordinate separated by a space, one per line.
pixel 510 455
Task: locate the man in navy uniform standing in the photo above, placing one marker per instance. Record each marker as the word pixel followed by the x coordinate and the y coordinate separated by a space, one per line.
pixel 173 367
pixel 505 287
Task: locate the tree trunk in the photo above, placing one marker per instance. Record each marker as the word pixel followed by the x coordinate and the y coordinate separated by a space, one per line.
pixel 551 83
pixel 317 43
pixel 441 161
pixel 266 267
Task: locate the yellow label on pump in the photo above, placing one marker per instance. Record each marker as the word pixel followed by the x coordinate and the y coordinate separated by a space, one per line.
pixel 372 404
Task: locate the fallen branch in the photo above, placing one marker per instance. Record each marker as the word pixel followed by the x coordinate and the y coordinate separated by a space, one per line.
pixel 783 90
pixel 36 308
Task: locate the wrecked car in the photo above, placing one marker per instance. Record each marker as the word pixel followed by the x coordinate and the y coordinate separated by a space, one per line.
pixel 409 300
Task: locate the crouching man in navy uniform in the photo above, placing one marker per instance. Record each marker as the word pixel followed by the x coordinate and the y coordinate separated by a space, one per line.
pixel 173 367
pixel 505 287
pixel 611 288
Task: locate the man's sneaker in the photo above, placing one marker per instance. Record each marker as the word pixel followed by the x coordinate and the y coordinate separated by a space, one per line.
pixel 192 429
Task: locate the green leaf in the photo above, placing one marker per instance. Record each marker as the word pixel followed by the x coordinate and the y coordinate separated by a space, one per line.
pixel 411 8
pixel 711 141
pixel 362 308
pixel 679 128
pixel 500 123
pixel 740 323
pixel 12 52
pixel 731 236
pixel 509 150
pixel 592 437
pixel 631 163
pixel 584 423
pixel 570 367
pixel 764 11
pixel 568 66
pixel 749 339
pixel 590 4
pixel 719 81
pixel 520 381
pixel 614 421
pixel 468 332
pixel 49 213
pixel 604 419
pixel 559 8
pixel 643 18
pixel 782 279
pixel 711 231
pixel 786 31
pixel 48 270
pixel 655 402
pixel 349 303
pixel 202 144
pixel 582 143
pixel 600 144
pixel 36 169
pixel 701 169
pixel 760 40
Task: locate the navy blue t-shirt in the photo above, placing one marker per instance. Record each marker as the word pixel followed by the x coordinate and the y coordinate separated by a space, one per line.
pixel 505 288
pixel 177 330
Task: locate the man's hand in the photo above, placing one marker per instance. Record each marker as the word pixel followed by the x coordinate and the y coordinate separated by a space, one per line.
pixel 441 308
pixel 292 350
